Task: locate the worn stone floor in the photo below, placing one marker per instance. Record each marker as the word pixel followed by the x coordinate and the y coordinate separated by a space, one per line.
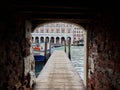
pixel 59 74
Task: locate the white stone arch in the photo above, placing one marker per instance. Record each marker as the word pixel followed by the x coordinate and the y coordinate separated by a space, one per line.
pixel 47 39
pixel 32 39
pixel 57 40
pixel 42 39
pixel 62 40
pixel 37 39
pixel 52 40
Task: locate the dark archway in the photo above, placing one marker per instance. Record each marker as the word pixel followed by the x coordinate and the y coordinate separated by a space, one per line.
pixel 57 40
pixel 68 40
pixel 47 39
pixel 52 40
pixel 62 40
pixel 42 39
pixel 37 40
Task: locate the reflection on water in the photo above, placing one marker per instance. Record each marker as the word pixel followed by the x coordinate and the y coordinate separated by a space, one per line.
pixel 38 67
pixel 77 59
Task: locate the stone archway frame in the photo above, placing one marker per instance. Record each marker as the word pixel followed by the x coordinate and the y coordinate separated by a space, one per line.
pixel 82 23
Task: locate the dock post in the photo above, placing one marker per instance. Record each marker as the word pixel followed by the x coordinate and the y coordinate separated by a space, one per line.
pixel 45 52
pixel 65 45
pixel 50 49
pixel 69 50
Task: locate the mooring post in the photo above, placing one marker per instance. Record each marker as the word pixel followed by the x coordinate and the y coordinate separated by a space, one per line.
pixel 69 50
pixel 45 52
pixel 65 45
pixel 50 48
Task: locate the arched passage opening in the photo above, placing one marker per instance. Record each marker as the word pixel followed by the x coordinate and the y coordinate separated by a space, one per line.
pixel 71 33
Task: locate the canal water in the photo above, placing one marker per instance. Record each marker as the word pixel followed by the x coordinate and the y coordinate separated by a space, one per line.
pixel 77 59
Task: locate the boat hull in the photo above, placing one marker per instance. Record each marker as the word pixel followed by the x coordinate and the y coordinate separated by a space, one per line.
pixel 39 58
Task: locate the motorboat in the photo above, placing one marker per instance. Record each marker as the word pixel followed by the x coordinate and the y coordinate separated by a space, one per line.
pixel 39 52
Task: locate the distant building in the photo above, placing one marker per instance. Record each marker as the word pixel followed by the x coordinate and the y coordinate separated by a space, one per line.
pixel 78 34
pixel 57 33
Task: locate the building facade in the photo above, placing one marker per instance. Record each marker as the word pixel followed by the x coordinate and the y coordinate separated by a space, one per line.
pixel 57 33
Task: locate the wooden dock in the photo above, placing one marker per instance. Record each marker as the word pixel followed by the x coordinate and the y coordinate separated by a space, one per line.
pixel 59 74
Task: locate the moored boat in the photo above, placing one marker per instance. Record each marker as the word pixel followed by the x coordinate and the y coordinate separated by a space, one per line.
pixel 39 52
pixel 81 43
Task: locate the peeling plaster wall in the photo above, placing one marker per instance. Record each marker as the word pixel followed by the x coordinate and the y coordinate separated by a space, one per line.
pixel 12 52
pixel 104 55
pixel 29 62
pixel 15 49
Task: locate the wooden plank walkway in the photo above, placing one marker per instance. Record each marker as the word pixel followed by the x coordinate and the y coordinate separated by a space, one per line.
pixel 59 74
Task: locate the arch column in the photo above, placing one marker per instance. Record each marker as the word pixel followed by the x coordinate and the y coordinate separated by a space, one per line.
pixel 71 40
pixel 54 40
pixel 60 40
pixel 66 40
pixel 33 39
pixel 44 39
pixel 49 39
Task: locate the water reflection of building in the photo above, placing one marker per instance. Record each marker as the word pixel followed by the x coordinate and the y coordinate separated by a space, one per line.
pixel 57 33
